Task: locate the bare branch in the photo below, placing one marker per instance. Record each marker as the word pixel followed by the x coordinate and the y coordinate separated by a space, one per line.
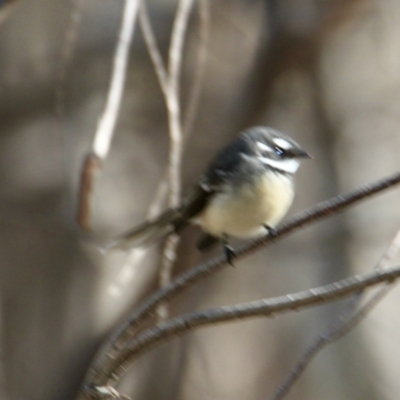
pixel 345 322
pixel 124 333
pixel 106 124
pixel 343 325
pixel 266 307
pixel 169 83
pixel 165 275
pixel 152 48
pixel 172 100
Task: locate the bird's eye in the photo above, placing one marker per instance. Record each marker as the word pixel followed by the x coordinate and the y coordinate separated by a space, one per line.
pixel 278 151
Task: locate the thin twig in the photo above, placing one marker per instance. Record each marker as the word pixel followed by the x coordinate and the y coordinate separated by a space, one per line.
pixel 333 333
pixel 164 82
pixel 163 331
pixel 169 83
pixel 123 334
pixel 152 48
pixel 172 100
pixel 345 322
pixel 106 124
pixel 165 274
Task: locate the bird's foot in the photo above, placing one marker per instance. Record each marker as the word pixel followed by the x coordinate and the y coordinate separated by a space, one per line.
pixel 229 253
pixel 272 232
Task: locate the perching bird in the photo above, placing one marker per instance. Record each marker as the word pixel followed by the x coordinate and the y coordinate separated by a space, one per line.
pixel 244 193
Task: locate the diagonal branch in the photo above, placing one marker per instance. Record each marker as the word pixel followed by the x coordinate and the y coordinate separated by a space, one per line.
pixel 124 333
pixel 153 336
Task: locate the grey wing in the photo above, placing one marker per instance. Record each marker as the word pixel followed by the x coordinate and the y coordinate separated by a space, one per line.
pixel 193 203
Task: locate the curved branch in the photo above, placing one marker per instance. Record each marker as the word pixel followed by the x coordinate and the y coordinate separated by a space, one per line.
pixel 124 333
pixel 344 323
pixel 266 307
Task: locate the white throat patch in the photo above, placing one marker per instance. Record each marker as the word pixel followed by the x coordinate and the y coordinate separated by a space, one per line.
pixel 290 165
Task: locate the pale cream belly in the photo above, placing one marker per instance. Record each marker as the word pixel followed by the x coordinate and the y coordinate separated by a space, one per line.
pixel 244 214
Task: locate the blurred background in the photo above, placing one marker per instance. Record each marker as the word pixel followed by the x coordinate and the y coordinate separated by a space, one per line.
pixel 327 72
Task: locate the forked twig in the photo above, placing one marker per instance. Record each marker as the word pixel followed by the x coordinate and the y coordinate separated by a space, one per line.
pixel 194 95
pixel 170 85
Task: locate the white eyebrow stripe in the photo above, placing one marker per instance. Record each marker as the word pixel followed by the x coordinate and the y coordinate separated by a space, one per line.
pixel 290 165
pixel 265 147
pixel 283 143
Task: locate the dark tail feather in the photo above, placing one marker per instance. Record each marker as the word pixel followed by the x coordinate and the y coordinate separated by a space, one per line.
pixel 148 232
pixel 206 242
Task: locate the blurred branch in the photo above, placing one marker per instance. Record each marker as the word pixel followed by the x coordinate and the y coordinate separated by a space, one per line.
pixel 172 100
pixel 106 124
pixel 103 393
pixel 170 85
pixel 152 48
pixel 135 255
pixel 118 340
pixel 345 322
pixel 151 337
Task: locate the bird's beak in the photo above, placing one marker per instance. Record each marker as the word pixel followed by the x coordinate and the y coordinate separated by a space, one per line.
pixel 302 154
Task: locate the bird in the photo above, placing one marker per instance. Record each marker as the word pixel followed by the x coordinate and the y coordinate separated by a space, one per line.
pixel 244 193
